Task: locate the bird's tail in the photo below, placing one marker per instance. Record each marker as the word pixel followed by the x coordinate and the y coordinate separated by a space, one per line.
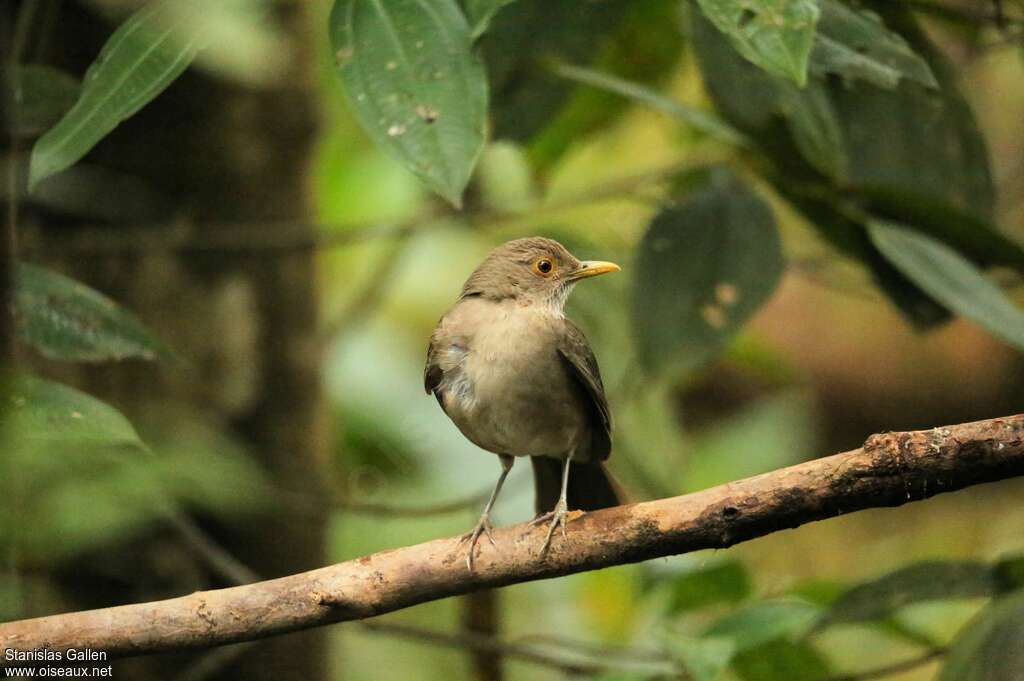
pixel 590 485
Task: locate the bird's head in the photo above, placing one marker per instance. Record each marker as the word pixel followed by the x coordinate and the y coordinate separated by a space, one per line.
pixel 534 270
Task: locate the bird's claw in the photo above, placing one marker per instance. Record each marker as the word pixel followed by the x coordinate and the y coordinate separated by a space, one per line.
pixel 558 519
pixel 482 527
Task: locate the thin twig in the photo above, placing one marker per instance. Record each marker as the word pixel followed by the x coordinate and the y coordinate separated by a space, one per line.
pixel 813 270
pixel 217 558
pixel 288 235
pixel 494 645
pixel 22 27
pixel 214 661
pixel 413 511
pixel 481 616
pixel 591 648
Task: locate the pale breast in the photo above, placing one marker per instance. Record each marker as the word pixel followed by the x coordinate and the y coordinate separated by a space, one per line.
pixel 504 383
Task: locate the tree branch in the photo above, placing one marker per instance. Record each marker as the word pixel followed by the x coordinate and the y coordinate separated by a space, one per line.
pixel 889 470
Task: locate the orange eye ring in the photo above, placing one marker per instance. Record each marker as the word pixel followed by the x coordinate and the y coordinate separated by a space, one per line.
pixel 545 267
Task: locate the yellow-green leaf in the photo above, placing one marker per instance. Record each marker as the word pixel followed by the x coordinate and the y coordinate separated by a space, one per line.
pixel 417 87
pixel 777 35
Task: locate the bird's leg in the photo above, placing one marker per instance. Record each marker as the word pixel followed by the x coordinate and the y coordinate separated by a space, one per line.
pixel 561 509
pixel 483 526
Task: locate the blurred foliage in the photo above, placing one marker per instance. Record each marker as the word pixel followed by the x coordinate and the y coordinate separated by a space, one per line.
pixel 703 270
pixel 992 646
pixel 840 129
pixel 415 84
pixel 66 320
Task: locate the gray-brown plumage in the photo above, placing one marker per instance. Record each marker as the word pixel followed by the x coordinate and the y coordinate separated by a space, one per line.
pixel 519 379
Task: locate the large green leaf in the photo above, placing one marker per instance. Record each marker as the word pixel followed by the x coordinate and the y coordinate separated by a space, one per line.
pixel 412 78
pixel 926 581
pixel 991 647
pixel 908 154
pixel 907 140
pixel 703 269
pixel 43 95
pixel 39 413
pixel 141 58
pixel 777 35
pixel 950 278
pixel 66 320
pixel 855 44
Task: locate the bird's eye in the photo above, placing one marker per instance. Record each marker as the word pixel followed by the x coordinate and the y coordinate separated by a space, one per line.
pixel 543 266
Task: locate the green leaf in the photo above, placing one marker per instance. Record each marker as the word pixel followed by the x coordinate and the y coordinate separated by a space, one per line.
pixel 644 48
pixel 781 660
pixel 703 269
pixel 904 141
pixel 910 141
pixel 702 121
pixel 815 127
pixel 704 658
pixel 37 412
pixel 991 647
pixel 950 278
pixel 926 581
pixel 66 320
pixel 136 64
pixel 764 622
pixel 909 154
pixel 43 95
pixel 480 12
pixel 724 582
pixel 855 44
pixel 525 95
pixel 777 35
pixel 975 237
pixel 700 585
pixel 412 78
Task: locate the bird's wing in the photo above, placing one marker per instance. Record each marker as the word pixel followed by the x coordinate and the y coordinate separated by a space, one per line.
pixel 432 372
pixel 576 352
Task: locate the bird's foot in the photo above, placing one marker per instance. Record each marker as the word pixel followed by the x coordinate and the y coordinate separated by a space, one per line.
pixel 557 518
pixel 483 526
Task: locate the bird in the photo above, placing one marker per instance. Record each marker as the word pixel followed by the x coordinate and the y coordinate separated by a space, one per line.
pixel 519 379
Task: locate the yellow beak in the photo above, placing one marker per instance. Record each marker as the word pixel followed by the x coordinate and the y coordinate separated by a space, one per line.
pixel 592 268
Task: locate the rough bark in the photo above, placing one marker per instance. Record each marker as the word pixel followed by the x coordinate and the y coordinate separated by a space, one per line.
pixel 889 470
